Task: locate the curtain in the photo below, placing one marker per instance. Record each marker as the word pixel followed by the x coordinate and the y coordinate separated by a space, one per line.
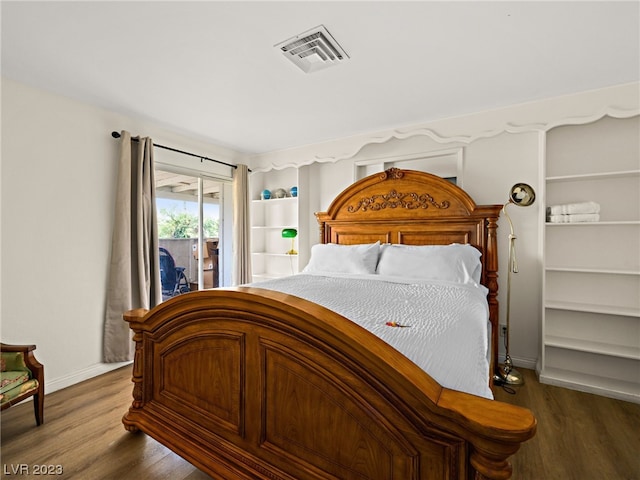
pixel 241 226
pixel 134 276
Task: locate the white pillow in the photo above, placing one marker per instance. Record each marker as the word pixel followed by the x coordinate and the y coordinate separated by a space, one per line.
pixel 334 258
pixel 454 263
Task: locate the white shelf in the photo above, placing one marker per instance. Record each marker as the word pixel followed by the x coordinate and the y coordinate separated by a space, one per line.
pixel 593 224
pixel 593 308
pixel 269 217
pixel 596 271
pixel 275 200
pixel 594 176
pixel 591 272
pixel 609 387
pixel 600 348
pixel 272 227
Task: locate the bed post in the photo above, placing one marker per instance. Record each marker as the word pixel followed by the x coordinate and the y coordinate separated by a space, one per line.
pixel 321 227
pixel 133 317
pixel 492 284
pixel 490 465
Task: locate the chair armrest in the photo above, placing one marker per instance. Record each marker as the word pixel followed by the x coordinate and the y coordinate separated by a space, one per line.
pixel 16 348
pixel 37 369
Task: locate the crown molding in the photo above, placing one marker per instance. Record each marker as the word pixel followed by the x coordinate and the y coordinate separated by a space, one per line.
pixel 357 144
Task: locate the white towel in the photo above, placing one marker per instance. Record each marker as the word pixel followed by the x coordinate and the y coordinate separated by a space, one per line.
pixel 574 208
pixel 577 218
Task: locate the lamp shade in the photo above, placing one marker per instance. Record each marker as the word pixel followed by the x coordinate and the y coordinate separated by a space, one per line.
pixel 289 233
pixel 522 195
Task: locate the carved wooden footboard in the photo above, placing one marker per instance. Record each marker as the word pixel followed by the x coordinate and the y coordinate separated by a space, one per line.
pixel 248 383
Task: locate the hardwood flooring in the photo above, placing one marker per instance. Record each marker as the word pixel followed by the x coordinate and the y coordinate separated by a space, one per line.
pixel 580 436
pixel 83 433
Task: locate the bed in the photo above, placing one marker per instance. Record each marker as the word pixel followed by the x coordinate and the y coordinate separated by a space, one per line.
pixel 260 383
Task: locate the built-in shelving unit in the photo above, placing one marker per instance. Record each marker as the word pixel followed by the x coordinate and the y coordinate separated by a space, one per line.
pixel 591 311
pixel 268 218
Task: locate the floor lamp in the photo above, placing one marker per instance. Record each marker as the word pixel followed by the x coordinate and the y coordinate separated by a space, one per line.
pixel 521 195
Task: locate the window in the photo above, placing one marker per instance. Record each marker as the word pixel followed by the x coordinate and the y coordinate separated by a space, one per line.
pixel 445 163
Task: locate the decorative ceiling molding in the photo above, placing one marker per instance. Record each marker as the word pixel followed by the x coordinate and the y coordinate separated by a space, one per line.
pixel 403 134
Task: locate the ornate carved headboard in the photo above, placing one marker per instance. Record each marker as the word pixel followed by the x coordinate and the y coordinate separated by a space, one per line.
pixel 416 208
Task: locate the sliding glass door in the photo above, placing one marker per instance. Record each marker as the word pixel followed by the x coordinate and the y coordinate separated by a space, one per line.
pixel 190 216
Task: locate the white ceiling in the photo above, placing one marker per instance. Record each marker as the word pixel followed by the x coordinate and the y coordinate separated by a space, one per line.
pixel 210 69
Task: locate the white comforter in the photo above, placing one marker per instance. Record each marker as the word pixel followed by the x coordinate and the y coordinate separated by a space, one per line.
pixel 447 323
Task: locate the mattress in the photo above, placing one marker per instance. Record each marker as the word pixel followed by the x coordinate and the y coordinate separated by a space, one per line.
pixel 445 327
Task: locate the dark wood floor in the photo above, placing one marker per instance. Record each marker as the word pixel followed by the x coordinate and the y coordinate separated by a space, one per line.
pixel 580 436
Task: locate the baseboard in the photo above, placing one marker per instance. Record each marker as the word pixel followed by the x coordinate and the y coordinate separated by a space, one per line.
pixel 528 363
pixel 81 375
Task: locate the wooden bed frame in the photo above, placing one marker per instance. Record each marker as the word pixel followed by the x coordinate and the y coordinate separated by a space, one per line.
pixel 248 383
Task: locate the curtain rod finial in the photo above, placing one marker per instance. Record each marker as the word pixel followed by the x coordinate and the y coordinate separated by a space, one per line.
pixel 115 134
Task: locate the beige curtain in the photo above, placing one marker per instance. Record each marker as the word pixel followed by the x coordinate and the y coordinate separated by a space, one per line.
pixel 134 276
pixel 241 226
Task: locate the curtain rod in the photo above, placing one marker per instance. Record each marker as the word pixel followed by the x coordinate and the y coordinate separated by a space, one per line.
pixel 117 135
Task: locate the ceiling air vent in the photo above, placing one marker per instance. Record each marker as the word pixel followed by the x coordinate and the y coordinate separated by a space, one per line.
pixel 313 50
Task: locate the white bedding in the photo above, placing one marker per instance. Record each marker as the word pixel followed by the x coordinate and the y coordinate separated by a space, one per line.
pixel 447 323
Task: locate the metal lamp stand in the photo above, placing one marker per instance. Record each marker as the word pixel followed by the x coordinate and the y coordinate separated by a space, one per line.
pixel 521 195
pixel 506 373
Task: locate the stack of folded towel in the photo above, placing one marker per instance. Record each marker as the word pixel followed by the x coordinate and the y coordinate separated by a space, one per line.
pixel 574 212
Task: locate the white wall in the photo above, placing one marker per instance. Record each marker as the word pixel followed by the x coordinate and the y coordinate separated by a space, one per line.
pixel 500 148
pixel 59 164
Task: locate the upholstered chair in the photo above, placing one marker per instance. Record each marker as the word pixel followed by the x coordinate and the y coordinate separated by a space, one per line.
pixel 22 376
